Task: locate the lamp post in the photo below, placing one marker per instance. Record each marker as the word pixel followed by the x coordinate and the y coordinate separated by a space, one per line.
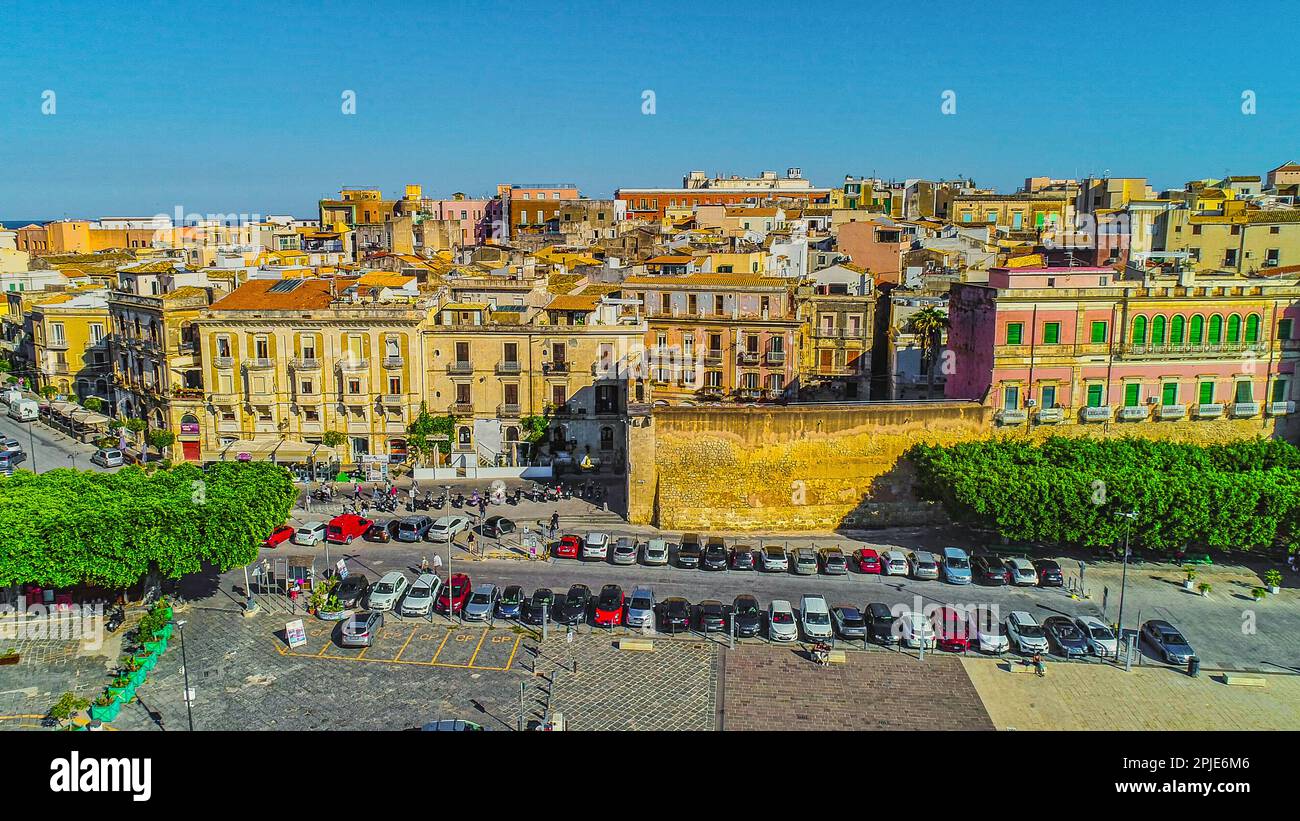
pixel 185 667
pixel 451 602
pixel 1129 517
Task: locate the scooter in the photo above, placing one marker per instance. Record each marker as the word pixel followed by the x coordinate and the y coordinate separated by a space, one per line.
pixel 115 620
pixel 458 500
pixel 513 498
pixel 440 501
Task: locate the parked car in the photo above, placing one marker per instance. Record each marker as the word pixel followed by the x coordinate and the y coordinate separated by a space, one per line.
pixel 388 590
pixel 641 608
pixel 742 557
pixel 805 561
pixel 595 548
pixel 1025 633
pixel 624 551
pixel 494 527
pixel 1065 637
pixel 279 536
pixel 359 629
pixel 1022 571
pixel 309 534
pixel 511 602
pixel 108 458
pixel 482 602
pixel 451 599
pixel 537 607
pixel 419 599
pixel 780 621
pixel 990 569
pixel 413 528
pixel 674 614
pixel 951 631
pixel 452 725
pixel 570 546
pixel 715 555
pixel 712 616
pixel 990 635
pixel 609 606
pixel 922 564
pixel 655 552
pixel 894 563
pixel 880 623
pixel 381 531
pixel 746 615
pixel 956 566
pixel 1049 573
pixel 445 528
pixel 576 603
pixel 352 590
pixel 1101 639
pixel 9 444
pixel 833 561
pixel 915 629
pixel 775 560
pixel 690 550
pixel 867 560
pixel 1173 648
pixel 343 529
pixel 816 617
pixel 848 622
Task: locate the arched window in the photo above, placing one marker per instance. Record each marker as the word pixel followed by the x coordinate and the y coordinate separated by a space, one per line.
pixel 1158 331
pixel 1252 328
pixel 1139 330
pixel 1215 335
pixel 1234 328
pixel 1176 328
pixel 462 436
pixel 512 434
pixel 1196 332
pixel 606 438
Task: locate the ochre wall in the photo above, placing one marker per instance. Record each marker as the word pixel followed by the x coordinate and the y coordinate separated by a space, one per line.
pixel 823 467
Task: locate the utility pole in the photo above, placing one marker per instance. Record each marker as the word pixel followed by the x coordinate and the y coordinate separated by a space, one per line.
pixel 1129 517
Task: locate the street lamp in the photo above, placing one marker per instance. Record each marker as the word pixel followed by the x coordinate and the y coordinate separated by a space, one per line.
pixel 185 667
pixel 1129 517
pixel 451 602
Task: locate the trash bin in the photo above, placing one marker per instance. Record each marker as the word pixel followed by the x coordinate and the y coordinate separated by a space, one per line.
pixel 1193 667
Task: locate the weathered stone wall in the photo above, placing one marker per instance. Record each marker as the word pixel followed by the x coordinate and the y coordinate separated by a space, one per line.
pixel 823 467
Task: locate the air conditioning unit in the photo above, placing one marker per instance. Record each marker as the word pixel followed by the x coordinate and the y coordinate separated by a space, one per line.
pixel 1030 403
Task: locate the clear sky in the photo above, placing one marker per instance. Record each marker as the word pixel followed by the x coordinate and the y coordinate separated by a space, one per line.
pixel 236 107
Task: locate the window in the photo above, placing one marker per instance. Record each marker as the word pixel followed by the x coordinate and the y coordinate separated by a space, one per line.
pixel 395 384
pixel 1279 390
pixel 1215 335
pixel 462 393
pixel 96 333
pixel 305 386
pixel 1051 333
pixel 1245 392
pixel 665 303
pixel 511 392
pixel 354 386
pixel 1095 392
pixel 1098 332
pixel 1252 328
pixel 1132 393
pixel 1284 329
pixel 692 304
pixel 1176 328
pixel 1139 330
pixel 1169 394
pixel 1234 328
pixel 713 379
pixel 1230 257
pixel 1158 330
pixel 718 304
pixel 1196 330
pixel 1272 257
pixel 1196 230
pixel 1015 333
pixel 1206 396
pixel 262 348
pixel 1047 396
pixel 1011 397
pixel 309 347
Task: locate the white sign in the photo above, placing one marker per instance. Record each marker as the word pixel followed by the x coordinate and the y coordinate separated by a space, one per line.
pixel 296 633
pixel 342 567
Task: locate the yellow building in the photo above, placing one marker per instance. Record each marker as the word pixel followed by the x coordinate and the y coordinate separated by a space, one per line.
pixel 69 343
pixel 1233 237
pixel 1012 212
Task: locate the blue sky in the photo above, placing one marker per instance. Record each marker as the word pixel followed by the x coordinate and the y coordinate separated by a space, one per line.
pixel 234 107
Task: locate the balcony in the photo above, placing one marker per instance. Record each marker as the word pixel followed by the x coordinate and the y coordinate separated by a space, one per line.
pixel 259 364
pixel 1244 410
pixel 712 392
pixel 355 399
pixel 638 408
pixel 508 368
pixel 1175 351
pixel 1209 411
pixel 461 408
pixel 837 333
pixel 223 361
pixel 508 410
pixel 186 393
pixel 773 393
pixel 392 400
pixel 1049 416
pixel 225 399
pixel 1280 408
pixel 555 367
pixel 747 358
pixel 460 366
pixel 713 358
pixel 1171 411
pixel 305 364
pixel 1010 417
pixel 57 344
pixel 749 394
pixel 775 357
pixel 352 365
pixel 1132 413
pixel 393 363
pixel 1094 413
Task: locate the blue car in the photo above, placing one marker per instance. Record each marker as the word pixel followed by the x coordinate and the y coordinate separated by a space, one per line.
pixel 511 603
pixel 956 566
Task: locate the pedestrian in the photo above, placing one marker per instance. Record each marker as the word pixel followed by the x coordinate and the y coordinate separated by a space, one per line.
pixel 437 561
pixel 356 492
pixel 555 522
pixel 471 541
pixel 424 564
pixel 482 506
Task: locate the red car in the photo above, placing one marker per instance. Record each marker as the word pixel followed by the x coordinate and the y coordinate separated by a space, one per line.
pixel 279 535
pixel 343 529
pixel 609 606
pixel 570 547
pixel 951 630
pixel 459 592
pixel 867 559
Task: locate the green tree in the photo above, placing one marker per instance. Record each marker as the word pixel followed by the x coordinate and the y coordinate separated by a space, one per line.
pixel 428 434
pixel 160 439
pixel 333 438
pixel 93 404
pixel 929 323
pixel 533 429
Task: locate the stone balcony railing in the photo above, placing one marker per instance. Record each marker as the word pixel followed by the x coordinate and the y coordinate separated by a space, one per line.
pixel 1171 411
pixel 353 364
pixel 1095 413
pixel 460 366
pixel 1010 417
pixel 1132 413
pixel 305 364
pixel 393 362
pixel 1208 411
pixel 1244 410
pixel 223 361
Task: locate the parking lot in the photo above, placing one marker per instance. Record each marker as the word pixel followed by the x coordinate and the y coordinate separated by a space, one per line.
pixel 420 642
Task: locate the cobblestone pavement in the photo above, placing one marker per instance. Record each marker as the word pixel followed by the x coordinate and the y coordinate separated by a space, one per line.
pixel 780 688
pixel 1101 697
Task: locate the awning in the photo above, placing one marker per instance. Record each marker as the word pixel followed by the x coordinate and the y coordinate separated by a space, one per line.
pixel 64 408
pixel 288 451
pixel 249 450
pixel 88 417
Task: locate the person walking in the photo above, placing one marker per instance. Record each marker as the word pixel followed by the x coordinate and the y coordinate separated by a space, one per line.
pixel 356 492
pixel 555 523
pixel 482 507
pixel 424 564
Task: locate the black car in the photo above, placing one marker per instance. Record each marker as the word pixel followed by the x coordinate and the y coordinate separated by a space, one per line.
pixel 511 602
pixel 742 557
pixel 1049 573
pixel 880 623
pixel 537 607
pixel 848 622
pixel 989 570
pixel 715 555
pixel 380 532
pixel 352 590
pixel 674 614
pixel 1065 637
pixel 747 615
pixel 690 550
pixel 576 603
pixel 712 617
pixel 494 527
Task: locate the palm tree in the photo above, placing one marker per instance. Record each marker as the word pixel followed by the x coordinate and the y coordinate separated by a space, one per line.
pixel 929 323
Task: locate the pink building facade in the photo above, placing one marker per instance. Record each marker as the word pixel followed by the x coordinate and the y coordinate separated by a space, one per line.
pixel 475 217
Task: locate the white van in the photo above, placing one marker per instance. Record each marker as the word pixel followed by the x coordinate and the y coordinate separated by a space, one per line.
pixel 24 410
pixel 11 395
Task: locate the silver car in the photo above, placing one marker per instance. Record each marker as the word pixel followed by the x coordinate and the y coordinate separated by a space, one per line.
pixel 482 602
pixel 309 534
pixel 388 590
pixel 624 551
pixel 641 608
pixel 107 457
pixel 655 552
pixel 419 599
pixel 360 629
pixel 922 564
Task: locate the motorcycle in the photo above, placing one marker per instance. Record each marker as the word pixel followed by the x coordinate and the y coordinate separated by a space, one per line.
pixel 513 498
pixel 566 491
pixel 115 620
pixel 439 501
pixel 458 500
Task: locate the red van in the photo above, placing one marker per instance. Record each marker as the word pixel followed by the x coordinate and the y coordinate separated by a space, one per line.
pixel 343 529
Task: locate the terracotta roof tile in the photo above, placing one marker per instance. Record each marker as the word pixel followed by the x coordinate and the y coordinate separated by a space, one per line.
pixel 255 295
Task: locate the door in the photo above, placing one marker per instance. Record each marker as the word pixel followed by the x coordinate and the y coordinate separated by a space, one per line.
pixel 190 451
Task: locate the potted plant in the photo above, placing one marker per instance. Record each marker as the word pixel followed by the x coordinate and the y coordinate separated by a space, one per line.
pixel 105 708
pixel 67 707
pixel 1205 588
pixel 1259 593
pixel 10 656
pixel 1191 577
pixel 1273 578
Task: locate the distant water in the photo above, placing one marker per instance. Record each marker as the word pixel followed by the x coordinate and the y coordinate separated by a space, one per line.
pixel 20 223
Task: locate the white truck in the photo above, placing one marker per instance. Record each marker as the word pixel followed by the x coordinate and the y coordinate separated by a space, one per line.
pixel 24 410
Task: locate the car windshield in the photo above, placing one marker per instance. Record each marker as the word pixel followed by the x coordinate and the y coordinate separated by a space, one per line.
pixel 458 589
pixel 991 629
pixel 1102 633
pixel 480 598
pixel 774 553
pixel 510 597
pixel 1031 631
pixel 782 617
pixel 1172 638
pixel 958 563
pixel 407 527
pixel 1067 631
pixel 852 621
pixel 383 587
pixel 677 608
pixel 640 604
pixel 418 592
pixel 817 618
pixel 746 608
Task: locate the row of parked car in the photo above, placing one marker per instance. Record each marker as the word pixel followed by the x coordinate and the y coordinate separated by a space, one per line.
pixel 348 527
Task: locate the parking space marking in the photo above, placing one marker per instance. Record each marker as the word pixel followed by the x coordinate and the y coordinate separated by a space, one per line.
pixel 414 630
pixel 462 636
pixel 443 644
pixel 486 630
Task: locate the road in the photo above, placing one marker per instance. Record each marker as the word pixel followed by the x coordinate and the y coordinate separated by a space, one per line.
pixel 48 448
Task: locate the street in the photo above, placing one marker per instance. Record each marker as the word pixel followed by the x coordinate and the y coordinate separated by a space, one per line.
pixel 48 448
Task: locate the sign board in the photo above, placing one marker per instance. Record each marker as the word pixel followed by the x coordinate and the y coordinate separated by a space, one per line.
pixel 296 633
pixel 244 457
pixel 342 567
pixel 373 458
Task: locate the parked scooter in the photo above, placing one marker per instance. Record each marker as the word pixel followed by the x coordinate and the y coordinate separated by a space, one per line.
pixel 458 500
pixel 115 620
pixel 439 501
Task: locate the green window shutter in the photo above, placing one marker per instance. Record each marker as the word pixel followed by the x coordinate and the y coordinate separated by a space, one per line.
pixel 1245 392
pixel 1098 332
pixel 1176 330
pixel 1252 328
pixel 1094 396
pixel 1234 328
pixel 1169 394
pixel 1216 330
pixel 1279 390
pixel 1140 330
pixel 1131 391
pixel 1207 393
pixel 1051 333
pixel 1197 330
pixel 1015 332
pixel 1158 331
pixel 1284 329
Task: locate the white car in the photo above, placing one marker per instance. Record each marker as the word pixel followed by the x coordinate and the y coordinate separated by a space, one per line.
pixel 596 547
pixel 655 552
pixel 893 563
pixel 1101 639
pixel 774 559
pixel 107 457
pixel 991 636
pixel 309 534
pixel 781 625
pixel 1022 571
pixel 914 629
pixel 1026 634
pixel 446 527
pixel 386 592
pixel 419 599
pixel 816 617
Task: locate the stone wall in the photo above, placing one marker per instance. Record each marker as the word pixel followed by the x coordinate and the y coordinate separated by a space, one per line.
pixel 824 467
